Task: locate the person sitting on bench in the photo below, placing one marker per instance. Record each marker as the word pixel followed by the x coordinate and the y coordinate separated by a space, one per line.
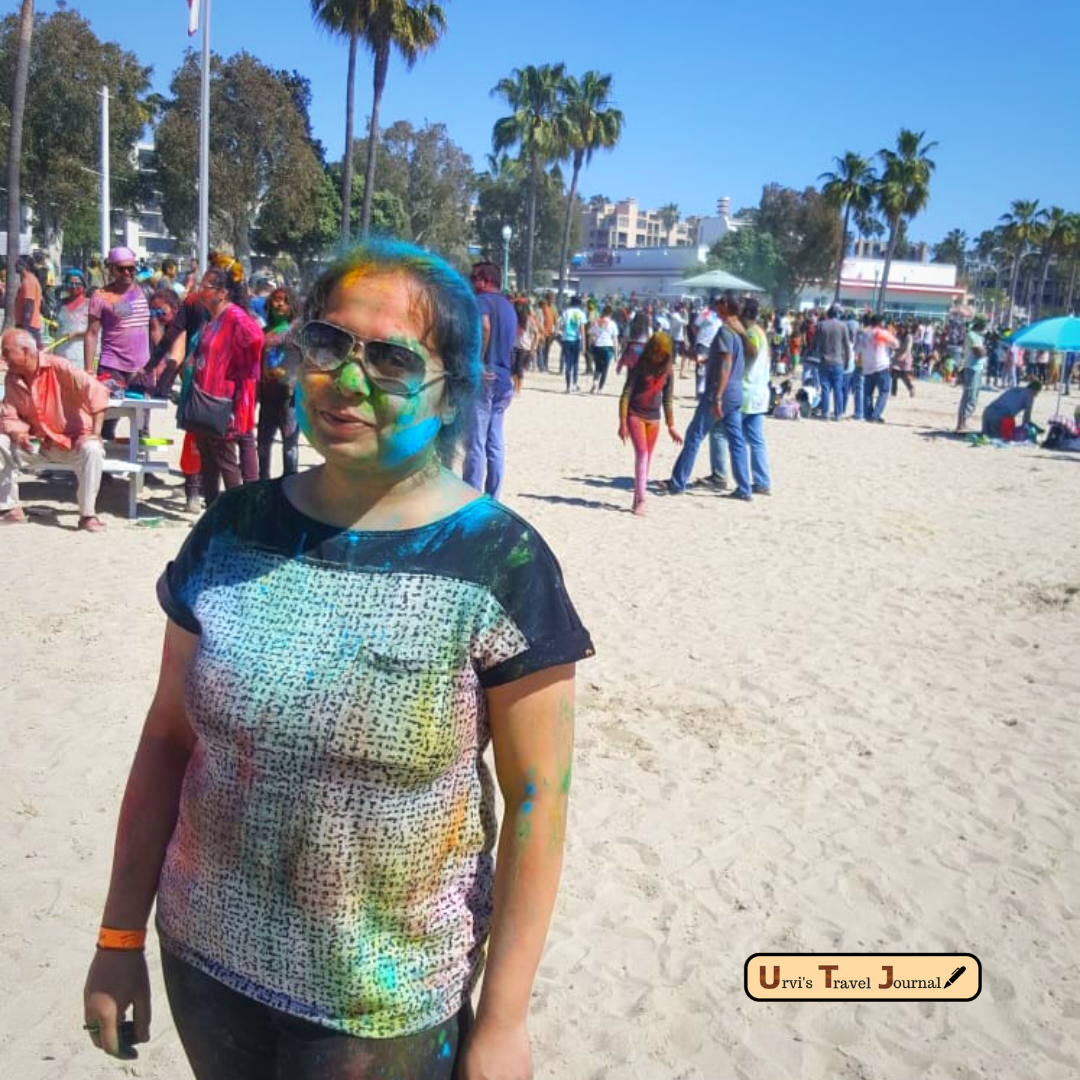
pixel 49 399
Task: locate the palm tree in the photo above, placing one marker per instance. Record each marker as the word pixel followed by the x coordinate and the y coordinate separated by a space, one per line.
pixel 536 127
pixel 903 190
pixel 953 249
pixel 15 139
pixel 410 27
pixel 669 216
pixel 1058 234
pixel 342 18
pixel 1072 251
pixel 850 189
pixel 1021 226
pixel 590 124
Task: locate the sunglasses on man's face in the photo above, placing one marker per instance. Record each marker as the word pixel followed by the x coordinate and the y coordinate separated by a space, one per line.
pixel 395 369
pixel 124 269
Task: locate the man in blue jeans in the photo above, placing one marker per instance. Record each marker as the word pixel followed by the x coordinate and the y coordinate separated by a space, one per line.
pixel 834 347
pixel 485 447
pixel 720 409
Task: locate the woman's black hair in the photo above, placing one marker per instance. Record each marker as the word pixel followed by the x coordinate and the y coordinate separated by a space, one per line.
pixel 446 308
pixel 639 326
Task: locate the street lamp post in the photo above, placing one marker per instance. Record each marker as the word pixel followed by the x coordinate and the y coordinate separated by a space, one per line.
pixel 507 232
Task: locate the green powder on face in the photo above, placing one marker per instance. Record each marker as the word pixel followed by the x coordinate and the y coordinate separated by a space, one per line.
pixel 350 379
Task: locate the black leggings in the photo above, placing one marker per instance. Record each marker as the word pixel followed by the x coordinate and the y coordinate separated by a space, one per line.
pixel 228 1036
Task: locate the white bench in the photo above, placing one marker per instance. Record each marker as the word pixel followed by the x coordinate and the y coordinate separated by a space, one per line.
pixel 111 467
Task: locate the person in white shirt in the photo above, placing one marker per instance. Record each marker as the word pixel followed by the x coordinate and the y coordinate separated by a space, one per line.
pixel 678 330
pixel 705 327
pixel 605 340
pixel 876 370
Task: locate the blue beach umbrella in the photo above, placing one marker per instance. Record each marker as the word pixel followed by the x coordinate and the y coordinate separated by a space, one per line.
pixel 1061 335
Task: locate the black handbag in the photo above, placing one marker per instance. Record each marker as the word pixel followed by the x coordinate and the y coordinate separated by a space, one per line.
pixel 205 414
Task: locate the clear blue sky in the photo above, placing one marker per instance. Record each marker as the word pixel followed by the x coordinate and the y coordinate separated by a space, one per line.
pixel 718 100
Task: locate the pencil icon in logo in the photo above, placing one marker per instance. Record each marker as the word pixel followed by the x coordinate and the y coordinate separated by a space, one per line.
pixel 955 975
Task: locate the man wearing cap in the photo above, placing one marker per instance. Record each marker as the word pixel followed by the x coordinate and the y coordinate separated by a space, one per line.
pixel 972 374
pixel 120 317
pixel 834 348
pixel 52 401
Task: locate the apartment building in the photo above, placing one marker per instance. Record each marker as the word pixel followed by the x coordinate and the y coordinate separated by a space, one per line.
pixel 611 226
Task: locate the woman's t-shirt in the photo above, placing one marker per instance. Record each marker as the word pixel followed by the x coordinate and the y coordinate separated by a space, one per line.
pixel 332 857
pixel 647 389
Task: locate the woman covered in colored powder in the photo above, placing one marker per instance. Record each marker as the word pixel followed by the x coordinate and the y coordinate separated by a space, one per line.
pixel 277 391
pixel 226 365
pixel 309 803
pixel 648 387
pixel 73 318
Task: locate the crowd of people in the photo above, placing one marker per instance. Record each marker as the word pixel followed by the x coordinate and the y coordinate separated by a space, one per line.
pixel 228 339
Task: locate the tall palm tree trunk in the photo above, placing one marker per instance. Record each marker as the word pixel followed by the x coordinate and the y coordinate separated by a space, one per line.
pixel 534 183
pixel 382 64
pixel 350 105
pixel 894 230
pixel 564 249
pixel 843 250
pixel 1072 288
pixel 1041 296
pixel 15 139
pixel 1014 279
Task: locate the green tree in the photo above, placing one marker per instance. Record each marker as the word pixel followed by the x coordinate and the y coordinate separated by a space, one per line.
pixel 805 231
pixel 1020 229
pixel 750 254
pixel 261 157
pixel 850 189
pixel 669 215
pixel 953 249
pixel 342 19
pixel 1058 235
pixel 412 27
pixel 591 124
pixel 303 238
pixel 504 200
pixel 62 123
pixel 537 127
pixel 15 118
pixel 388 214
pixel 903 190
pixel 435 180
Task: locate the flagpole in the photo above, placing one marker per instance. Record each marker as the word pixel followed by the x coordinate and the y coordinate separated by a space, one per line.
pixel 204 143
pixel 106 231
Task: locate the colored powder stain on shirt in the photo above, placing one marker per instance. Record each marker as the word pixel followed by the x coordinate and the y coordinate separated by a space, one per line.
pixel 520 553
pixel 526 807
pixel 386 974
pixel 564 784
pixel 530 789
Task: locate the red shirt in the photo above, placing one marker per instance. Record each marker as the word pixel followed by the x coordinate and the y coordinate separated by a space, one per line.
pixel 227 363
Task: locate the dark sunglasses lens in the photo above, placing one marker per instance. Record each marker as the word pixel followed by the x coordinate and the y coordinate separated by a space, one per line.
pixel 394 367
pixel 325 346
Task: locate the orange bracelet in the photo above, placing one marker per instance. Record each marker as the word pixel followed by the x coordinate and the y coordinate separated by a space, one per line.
pixel 120 939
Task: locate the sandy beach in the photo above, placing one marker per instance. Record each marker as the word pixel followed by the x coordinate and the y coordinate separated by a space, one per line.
pixel 842 718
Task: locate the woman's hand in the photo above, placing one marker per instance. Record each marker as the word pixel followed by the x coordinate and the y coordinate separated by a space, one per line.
pixel 676 438
pixel 624 432
pixel 493 1052
pixel 117 980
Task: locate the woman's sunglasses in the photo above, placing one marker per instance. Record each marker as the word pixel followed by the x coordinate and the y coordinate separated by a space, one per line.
pixel 394 369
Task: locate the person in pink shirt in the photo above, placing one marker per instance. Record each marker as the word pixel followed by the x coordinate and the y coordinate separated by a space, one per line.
pixel 50 400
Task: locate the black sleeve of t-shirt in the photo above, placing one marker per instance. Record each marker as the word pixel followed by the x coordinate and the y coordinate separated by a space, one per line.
pixel 529 585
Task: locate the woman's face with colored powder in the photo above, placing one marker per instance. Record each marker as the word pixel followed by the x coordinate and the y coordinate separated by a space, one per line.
pixel 351 422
